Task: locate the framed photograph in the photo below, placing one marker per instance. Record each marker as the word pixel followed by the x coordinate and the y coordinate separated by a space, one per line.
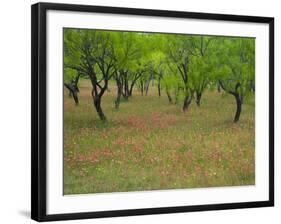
pixel 140 111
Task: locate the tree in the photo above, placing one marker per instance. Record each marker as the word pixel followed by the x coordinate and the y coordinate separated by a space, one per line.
pixel 128 63
pixel 172 84
pixel 158 59
pixel 90 52
pixel 201 65
pixel 179 56
pixel 71 79
pixel 236 69
pixel 184 66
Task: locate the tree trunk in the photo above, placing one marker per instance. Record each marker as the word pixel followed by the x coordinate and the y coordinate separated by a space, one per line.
pixel 186 103
pixel 73 92
pixel 238 98
pixel 76 80
pixel 177 92
pixel 131 88
pixel 125 95
pixel 97 103
pixel 148 83
pixel 238 108
pixel 159 89
pixel 169 96
pixel 252 86
pixel 147 87
pixel 75 97
pixel 198 98
pixel 126 92
pixel 142 87
pixel 119 94
pixel 117 101
pixel 219 88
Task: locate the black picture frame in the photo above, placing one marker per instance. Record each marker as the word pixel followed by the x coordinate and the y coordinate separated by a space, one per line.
pixel 39 122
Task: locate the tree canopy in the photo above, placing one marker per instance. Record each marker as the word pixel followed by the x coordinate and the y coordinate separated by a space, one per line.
pixel 183 66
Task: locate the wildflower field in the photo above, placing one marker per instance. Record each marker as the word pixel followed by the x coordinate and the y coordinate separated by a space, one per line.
pixel 150 144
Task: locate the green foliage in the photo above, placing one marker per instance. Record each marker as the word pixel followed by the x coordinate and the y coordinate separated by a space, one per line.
pixel 236 64
pixel 208 58
pixel 69 74
pixel 184 64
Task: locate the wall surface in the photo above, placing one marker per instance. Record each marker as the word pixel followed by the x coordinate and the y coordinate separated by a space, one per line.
pixel 15 110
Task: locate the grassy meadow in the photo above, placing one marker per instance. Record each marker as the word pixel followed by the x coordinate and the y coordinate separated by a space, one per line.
pixel 150 144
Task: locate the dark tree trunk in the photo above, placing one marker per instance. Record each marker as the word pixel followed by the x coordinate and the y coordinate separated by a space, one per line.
pixel 97 93
pixel 159 89
pixel 125 95
pixel 73 91
pixel 75 97
pixel 73 88
pixel 119 94
pixel 117 101
pixel 238 98
pixel 219 88
pixel 126 89
pixel 238 108
pixel 147 87
pixel 198 98
pixel 177 91
pixel 186 103
pixel 142 87
pixel 131 88
pixel 75 81
pixel 148 83
pixel 169 96
pixel 97 103
pixel 131 91
pixel 252 86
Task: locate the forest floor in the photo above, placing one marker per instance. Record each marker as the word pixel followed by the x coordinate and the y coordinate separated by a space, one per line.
pixel 150 144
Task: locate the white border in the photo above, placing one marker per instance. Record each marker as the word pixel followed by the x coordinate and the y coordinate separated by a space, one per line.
pixel 57 203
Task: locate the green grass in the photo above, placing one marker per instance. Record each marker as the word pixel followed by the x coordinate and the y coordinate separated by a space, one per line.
pixel 150 144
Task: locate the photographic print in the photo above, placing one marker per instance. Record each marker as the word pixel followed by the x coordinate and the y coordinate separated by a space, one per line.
pixel 141 111
pixel 157 111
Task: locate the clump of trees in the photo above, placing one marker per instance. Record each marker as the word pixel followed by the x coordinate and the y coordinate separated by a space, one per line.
pixel 182 66
pixel 236 71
